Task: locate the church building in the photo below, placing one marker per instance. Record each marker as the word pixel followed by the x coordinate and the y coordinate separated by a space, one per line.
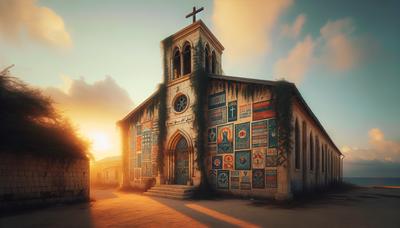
pixel 235 135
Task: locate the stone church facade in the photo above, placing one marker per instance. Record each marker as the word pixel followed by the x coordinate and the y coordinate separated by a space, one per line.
pixel 242 144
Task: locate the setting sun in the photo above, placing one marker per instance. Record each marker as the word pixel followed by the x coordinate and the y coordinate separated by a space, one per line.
pixel 100 141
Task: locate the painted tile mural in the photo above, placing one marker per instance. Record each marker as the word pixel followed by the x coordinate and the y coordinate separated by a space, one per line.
pixel 243 160
pixel 217 116
pixel 258 178
pixel 271 158
pixel 273 135
pixel 212 135
pixel 217 162
pixel 235 179
pixel 271 178
pixel 232 111
pixel 245 111
pixel 216 100
pixel 225 139
pixel 258 158
pixel 222 179
pixel 213 177
pixel 245 180
pixel 263 110
pixel 228 162
pixel 259 133
pixel 242 136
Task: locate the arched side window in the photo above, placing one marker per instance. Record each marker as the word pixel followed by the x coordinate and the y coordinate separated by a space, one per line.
pixel 176 68
pixel 213 63
pixel 311 152
pixel 304 144
pixel 318 152
pixel 187 59
pixel 323 157
pixel 207 59
pixel 297 145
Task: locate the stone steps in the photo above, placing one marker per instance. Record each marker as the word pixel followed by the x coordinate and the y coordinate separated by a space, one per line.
pixel 171 191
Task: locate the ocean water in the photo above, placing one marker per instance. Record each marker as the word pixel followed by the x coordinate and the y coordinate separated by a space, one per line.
pixel 373 181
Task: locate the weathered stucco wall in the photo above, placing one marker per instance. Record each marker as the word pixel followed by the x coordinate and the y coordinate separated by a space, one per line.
pixel 31 181
pixel 319 162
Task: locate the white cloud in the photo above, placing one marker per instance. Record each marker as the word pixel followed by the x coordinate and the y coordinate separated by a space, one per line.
pixel 298 61
pixel 244 27
pixel 380 149
pixel 18 17
pixel 294 30
pixel 340 50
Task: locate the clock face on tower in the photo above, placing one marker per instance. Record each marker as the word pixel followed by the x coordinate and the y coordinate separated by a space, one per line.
pixel 180 103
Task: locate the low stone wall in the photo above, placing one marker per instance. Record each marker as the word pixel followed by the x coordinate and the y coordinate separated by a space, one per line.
pixel 27 181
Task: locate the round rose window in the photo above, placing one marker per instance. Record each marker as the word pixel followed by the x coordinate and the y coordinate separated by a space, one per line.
pixel 180 103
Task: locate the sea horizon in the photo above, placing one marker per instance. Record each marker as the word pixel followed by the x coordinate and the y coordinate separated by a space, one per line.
pixel 373 181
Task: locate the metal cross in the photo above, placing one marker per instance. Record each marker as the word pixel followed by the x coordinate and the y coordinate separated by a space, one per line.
pixel 193 14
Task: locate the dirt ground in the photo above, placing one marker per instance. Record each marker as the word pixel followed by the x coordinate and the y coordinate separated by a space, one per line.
pixel 356 208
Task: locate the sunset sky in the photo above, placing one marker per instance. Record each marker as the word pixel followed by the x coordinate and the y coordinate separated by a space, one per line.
pixel 98 59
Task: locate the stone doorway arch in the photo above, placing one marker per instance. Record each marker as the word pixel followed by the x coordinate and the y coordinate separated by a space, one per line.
pixel 180 159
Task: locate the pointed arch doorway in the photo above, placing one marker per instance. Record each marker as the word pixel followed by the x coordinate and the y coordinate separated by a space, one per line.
pixel 180 159
pixel 181 162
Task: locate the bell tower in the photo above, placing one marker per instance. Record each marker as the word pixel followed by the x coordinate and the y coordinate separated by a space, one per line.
pixel 189 51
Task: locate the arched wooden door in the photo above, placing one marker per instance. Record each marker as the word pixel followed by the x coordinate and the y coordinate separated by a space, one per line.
pixel 181 162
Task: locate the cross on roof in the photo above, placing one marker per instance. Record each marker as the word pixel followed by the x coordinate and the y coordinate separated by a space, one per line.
pixel 193 14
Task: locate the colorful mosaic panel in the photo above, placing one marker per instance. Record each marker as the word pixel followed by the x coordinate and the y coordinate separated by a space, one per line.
pixel 232 111
pixel 271 178
pixel 213 177
pixel 225 139
pixel 259 133
pixel 258 158
pixel 222 179
pixel 138 129
pixel 146 146
pixel 228 162
pixel 263 110
pixel 243 160
pixel 216 162
pixel 217 116
pixel 138 160
pixel 216 100
pixel 139 143
pixel 258 178
pixel 245 111
pixel 212 135
pixel 273 135
pixel 271 158
pixel 245 180
pixel 242 136
pixel 235 179
pixel 137 173
pixel 147 170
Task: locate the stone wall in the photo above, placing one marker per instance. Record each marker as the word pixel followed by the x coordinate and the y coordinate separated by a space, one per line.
pixel 27 181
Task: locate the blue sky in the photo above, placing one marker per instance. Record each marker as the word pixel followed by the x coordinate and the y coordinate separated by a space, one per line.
pixel 121 39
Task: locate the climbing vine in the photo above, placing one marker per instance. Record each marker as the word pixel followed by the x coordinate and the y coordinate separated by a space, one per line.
pixel 162 105
pixel 199 83
pixel 282 101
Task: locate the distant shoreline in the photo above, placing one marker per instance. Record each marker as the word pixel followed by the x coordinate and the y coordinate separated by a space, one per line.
pixel 382 182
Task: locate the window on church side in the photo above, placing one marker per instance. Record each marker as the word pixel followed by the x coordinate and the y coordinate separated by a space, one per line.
pixel 213 63
pixel 297 145
pixel 176 64
pixel 207 59
pixel 187 59
pixel 304 144
pixel 318 151
pixel 311 152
